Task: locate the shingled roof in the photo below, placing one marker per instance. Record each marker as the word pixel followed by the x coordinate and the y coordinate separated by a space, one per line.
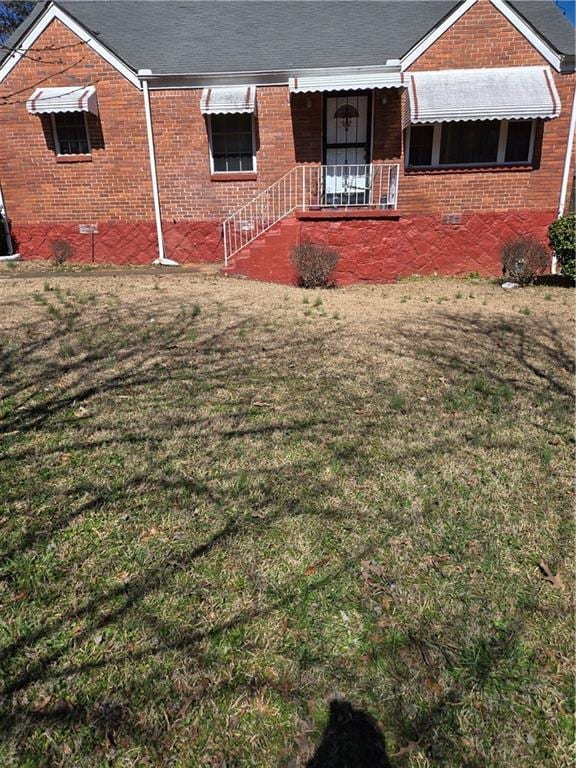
pixel 197 37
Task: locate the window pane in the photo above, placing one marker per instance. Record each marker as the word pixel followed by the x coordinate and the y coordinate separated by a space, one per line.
pixel 421 137
pixel 233 163
pixel 231 123
pixel 71 133
pixel 219 144
pixel 468 143
pixel 232 143
pixel 518 143
pixel 245 142
pixel 246 162
pixel 220 163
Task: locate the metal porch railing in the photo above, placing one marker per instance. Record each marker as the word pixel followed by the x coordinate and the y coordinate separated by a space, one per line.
pixel 312 187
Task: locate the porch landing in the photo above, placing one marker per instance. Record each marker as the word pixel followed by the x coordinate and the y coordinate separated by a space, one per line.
pixel 340 213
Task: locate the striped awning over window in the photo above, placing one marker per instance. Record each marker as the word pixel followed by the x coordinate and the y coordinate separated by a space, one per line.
pixel 69 99
pixel 228 101
pixel 349 82
pixel 482 94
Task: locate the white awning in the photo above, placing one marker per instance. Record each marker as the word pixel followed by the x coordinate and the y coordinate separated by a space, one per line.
pixel 345 82
pixel 228 101
pixel 482 94
pixel 69 99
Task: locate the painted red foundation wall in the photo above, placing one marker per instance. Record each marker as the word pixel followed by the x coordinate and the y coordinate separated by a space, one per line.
pixel 381 250
pixel 375 250
pixel 117 243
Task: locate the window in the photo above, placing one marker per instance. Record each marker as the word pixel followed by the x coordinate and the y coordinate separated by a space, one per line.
pixel 518 142
pixel 470 143
pixel 71 133
pixel 421 140
pixel 232 143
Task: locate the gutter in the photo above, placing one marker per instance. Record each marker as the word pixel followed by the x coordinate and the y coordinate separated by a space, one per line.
pixel 255 77
pixel 566 170
pixel 162 260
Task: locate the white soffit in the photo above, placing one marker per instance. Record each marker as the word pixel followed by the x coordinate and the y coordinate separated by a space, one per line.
pixel 349 82
pixel 228 101
pixel 68 99
pixel 482 94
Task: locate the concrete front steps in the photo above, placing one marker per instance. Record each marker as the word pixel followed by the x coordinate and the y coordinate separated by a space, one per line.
pixel 268 257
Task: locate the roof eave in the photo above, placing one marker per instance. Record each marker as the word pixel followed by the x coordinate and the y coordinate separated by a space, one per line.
pixel 199 79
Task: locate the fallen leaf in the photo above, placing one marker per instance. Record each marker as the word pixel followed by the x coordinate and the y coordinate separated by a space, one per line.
pixel 41 704
pixel 19 596
pixel 556 581
pixel 369 568
pixel 123 576
pixel 386 602
pixel 410 747
pixel 148 534
pixel 201 686
pixel 312 568
pixel 432 685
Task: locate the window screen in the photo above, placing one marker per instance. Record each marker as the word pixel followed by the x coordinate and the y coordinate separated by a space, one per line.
pixel 469 142
pixel 518 142
pixel 232 143
pixel 71 135
pixel 421 138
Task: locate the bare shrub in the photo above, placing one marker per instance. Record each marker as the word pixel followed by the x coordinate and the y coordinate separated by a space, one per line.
pixel 523 259
pixel 314 263
pixel 62 251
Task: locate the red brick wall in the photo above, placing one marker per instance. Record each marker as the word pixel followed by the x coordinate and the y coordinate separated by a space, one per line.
pixel 115 186
pixel 288 132
pixel 46 199
pixel 483 37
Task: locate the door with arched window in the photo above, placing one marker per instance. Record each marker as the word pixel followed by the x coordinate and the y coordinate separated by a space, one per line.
pixel 347 149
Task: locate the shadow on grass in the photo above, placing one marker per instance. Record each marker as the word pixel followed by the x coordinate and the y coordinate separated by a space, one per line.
pixel 352 739
pixel 90 385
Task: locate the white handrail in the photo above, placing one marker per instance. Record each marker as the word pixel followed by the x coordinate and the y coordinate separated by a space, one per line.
pixel 311 187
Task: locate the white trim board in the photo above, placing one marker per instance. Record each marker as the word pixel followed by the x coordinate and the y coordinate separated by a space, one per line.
pixel 51 13
pixel 507 11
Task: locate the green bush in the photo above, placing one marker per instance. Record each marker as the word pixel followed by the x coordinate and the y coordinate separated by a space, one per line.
pixel 562 236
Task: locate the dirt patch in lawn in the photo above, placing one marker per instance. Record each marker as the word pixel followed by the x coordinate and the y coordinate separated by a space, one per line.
pixel 222 503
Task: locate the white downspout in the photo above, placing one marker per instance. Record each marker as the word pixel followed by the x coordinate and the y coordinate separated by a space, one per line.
pixel 152 154
pixel 566 171
pixel 10 256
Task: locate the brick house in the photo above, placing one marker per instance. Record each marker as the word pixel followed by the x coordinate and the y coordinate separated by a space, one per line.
pixel 416 137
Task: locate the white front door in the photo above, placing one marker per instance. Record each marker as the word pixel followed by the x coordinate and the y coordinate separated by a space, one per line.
pixel 347 150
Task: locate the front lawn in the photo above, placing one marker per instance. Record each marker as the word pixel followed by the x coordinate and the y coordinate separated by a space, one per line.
pixel 224 503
